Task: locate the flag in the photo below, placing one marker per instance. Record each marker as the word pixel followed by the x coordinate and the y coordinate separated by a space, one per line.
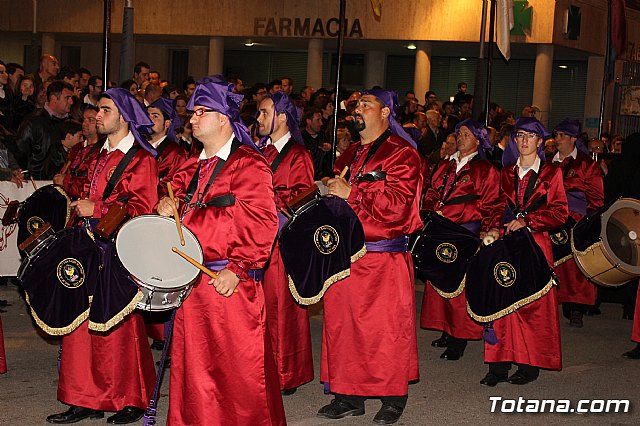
pixel 377 7
pixel 504 26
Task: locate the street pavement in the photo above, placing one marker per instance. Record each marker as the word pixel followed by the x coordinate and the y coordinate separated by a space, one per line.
pixel 448 392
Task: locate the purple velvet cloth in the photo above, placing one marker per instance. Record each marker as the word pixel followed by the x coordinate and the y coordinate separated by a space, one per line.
pixel 480 133
pixel 473 226
pixel 396 245
pixel 133 113
pixel 389 98
pixel 168 107
pixel 215 93
pixel 529 125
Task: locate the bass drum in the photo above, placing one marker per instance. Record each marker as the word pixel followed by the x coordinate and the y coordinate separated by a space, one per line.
pixel 606 243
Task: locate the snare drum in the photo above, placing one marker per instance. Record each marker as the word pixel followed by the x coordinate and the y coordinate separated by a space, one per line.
pixel 606 243
pixel 49 204
pixel 144 247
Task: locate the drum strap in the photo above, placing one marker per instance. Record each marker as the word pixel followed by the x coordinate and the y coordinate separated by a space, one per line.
pixel 282 154
pixel 444 198
pixel 193 185
pixel 461 199
pixel 94 148
pixel 117 173
pixel 565 172
pixel 163 145
pixel 374 148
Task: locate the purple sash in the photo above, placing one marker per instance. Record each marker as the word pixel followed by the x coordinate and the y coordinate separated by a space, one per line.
pixel 219 265
pixel 577 201
pixel 396 245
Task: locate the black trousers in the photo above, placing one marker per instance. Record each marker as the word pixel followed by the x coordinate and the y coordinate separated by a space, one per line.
pixel 358 401
pixel 502 369
pixel 456 344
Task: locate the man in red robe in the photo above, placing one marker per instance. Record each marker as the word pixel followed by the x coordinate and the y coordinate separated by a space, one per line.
pixel 222 367
pixel 292 167
pixel 583 183
pixel 112 371
pixel 464 190
pixel 530 336
pixel 635 333
pixel 369 346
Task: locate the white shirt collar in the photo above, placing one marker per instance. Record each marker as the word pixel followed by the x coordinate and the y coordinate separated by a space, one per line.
pixel 124 145
pixel 574 154
pixel 523 170
pixel 158 142
pixel 89 101
pixel 280 143
pixel 223 153
pixel 461 162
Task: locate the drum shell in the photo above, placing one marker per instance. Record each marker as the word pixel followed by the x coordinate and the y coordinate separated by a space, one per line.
pixel 159 299
pixel 599 262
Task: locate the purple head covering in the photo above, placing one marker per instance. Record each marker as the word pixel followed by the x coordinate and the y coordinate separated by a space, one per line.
pixel 215 93
pixel 572 127
pixel 168 107
pixel 480 133
pixel 389 98
pixel 283 104
pixel 529 125
pixel 133 113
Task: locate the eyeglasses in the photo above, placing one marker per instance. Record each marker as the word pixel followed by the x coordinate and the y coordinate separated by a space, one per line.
pixel 529 136
pixel 200 111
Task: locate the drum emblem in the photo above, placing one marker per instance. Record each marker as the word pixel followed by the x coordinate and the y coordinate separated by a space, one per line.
pixel 34 223
pixel 559 238
pixel 447 253
pixel 70 273
pixel 505 274
pixel 326 239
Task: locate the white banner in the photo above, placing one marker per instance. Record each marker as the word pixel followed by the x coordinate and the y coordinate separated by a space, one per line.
pixel 9 256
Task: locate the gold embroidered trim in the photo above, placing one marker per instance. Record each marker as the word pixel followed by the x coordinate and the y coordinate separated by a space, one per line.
pixel 57 331
pixel 561 261
pixel 116 319
pixel 315 299
pixel 519 304
pixel 61 191
pixel 455 293
pixel 587 250
pixel 360 254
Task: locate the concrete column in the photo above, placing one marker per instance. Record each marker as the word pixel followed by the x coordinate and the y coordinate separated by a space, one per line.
pixel 48 44
pixel 314 63
pixel 374 69
pixel 542 81
pixel 216 55
pixel 422 73
pixel 595 74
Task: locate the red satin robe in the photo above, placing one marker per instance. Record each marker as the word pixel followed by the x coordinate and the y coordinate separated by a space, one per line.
pixel 477 177
pixel 369 344
pixel 531 335
pixel 287 321
pixel 222 366
pixel 635 334
pixel 80 158
pixel 168 164
pixel 584 175
pixel 3 357
pixel 108 371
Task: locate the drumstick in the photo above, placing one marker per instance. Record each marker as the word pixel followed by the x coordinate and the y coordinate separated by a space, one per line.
pixel 197 264
pixel 175 214
pixel 66 166
pixel 33 182
pixel 344 171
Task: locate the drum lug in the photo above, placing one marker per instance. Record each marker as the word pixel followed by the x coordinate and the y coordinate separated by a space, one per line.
pixel 165 299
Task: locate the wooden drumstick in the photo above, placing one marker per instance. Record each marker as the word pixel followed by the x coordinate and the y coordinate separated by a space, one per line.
pixel 65 168
pixel 176 216
pixel 33 182
pixel 197 264
pixel 344 171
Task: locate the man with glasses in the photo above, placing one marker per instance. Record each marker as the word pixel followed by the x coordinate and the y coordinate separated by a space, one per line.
pixel 95 90
pixel 533 197
pixel 464 190
pixel 222 367
pixel 583 183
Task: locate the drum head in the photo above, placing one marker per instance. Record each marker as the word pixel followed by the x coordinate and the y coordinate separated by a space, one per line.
pixel 144 247
pixel 49 204
pixel 621 233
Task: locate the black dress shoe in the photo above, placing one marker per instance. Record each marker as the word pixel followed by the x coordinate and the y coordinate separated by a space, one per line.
pixel 75 414
pixel 633 353
pixel 492 379
pixel 339 409
pixel 451 354
pixel 441 342
pixel 388 415
pixel 287 392
pixel 519 379
pixel 127 415
pixel 576 319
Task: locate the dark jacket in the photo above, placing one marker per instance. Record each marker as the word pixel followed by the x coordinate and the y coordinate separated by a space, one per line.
pixel 36 135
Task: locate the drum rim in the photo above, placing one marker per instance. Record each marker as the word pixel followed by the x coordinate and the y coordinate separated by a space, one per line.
pixel 608 252
pixel 185 228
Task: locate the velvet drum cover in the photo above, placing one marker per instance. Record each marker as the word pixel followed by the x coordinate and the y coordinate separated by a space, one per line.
pixel 318 246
